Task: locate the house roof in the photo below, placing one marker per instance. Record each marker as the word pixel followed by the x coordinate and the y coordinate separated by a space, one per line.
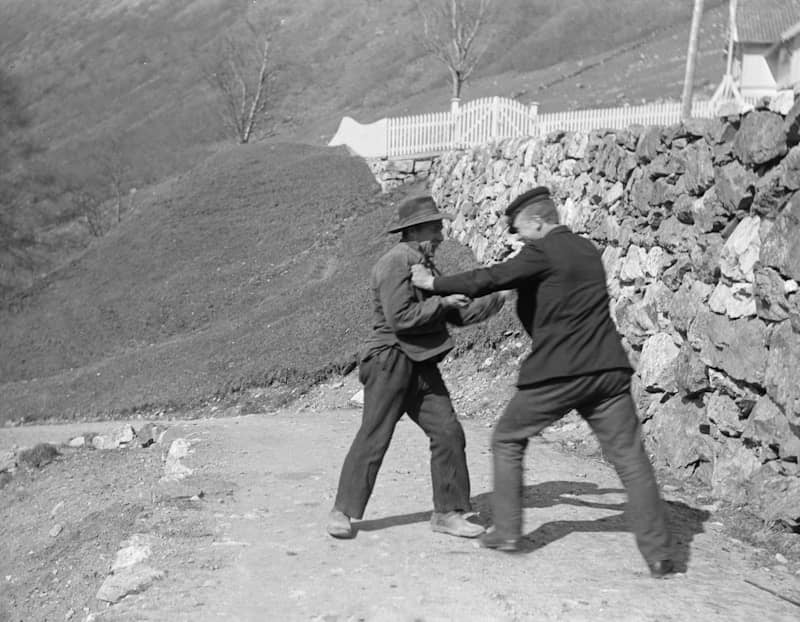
pixel 763 21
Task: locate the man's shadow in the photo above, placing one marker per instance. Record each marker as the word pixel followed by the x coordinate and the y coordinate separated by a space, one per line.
pixel 684 521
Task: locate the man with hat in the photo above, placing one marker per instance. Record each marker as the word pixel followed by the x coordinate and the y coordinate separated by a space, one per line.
pixel 576 362
pixel 399 371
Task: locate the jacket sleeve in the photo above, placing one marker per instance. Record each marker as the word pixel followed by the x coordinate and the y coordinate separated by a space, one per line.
pixel 477 311
pixel 530 263
pixel 404 307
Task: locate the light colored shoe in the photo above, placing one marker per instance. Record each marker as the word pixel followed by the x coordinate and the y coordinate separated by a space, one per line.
pixel 455 524
pixel 339 525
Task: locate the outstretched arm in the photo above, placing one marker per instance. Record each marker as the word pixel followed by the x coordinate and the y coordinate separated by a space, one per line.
pixel 478 310
pixel 404 310
pixel 529 263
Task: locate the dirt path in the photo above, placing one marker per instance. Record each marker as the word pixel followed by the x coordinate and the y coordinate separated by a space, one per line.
pixel 268 483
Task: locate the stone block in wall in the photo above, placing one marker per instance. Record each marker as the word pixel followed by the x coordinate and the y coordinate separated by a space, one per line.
pixel 743 394
pixel 635 320
pixel 657 363
pixel 649 145
pixel 737 347
pixel 790 170
pixel 611 258
pixel 680 267
pixel 664 165
pixel 641 193
pixel 552 156
pixel 402 167
pixel 673 436
pixel 691 377
pixel 665 193
pixel 767 425
pixel 791 124
pixel 708 212
pixel 741 250
pixel 761 138
pixel 780 248
pixel 722 411
pixel 734 465
pixel 735 300
pixel 705 257
pixel 683 208
pixel 658 297
pixel 770 193
pixel 780 378
pixel 773 496
pixel 769 291
pixel 533 153
pixel 699 174
pixel 569 168
pixel 734 186
pixel 575 144
pixel 631 269
pixel 675 236
pixel 627 164
pixel 719 131
pixel 723 154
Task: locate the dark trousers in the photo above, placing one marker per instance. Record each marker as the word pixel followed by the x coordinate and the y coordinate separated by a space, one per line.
pixel 604 400
pixel 394 385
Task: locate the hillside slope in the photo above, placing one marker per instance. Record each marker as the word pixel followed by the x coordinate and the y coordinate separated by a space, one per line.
pixel 249 269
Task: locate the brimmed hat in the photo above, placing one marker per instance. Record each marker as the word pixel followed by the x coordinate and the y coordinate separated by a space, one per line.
pixel 539 196
pixel 417 211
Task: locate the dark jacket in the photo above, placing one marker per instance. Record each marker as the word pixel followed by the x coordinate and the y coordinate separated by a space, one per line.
pixel 411 319
pixel 562 303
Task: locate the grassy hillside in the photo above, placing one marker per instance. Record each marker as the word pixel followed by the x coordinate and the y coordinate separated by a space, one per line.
pixel 251 268
pixel 234 266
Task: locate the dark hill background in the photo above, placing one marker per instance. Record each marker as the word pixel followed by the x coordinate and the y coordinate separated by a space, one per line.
pixel 234 266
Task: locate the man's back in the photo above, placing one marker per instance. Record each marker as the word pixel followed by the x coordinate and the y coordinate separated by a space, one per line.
pixel 562 304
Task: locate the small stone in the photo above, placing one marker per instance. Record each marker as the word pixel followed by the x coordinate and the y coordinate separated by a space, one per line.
pixel 781 559
pixel 55 530
pixel 69 614
pixel 78 441
pixel 56 508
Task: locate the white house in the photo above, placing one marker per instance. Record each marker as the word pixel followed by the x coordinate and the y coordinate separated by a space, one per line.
pixel 764 44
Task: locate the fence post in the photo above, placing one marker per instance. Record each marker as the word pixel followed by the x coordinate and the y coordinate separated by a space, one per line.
pixel 495 117
pixel 533 121
pixel 455 116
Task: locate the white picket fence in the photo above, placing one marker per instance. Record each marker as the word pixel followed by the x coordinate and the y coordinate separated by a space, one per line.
pixel 492 118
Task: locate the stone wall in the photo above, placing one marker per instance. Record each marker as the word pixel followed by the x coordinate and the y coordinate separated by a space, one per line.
pixel 393 173
pixel 699 228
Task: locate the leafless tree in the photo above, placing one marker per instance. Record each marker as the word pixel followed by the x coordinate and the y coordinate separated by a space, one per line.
pixel 115 168
pixel 239 74
pixel 451 33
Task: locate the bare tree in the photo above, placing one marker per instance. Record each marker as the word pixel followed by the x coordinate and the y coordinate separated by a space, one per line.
pixel 115 168
pixel 451 30
pixel 239 74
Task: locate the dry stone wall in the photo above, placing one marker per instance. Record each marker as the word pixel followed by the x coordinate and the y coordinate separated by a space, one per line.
pixel 699 226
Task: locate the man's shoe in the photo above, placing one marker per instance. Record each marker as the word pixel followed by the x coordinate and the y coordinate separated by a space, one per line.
pixel 661 568
pixel 339 525
pixel 493 540
pixel 455 524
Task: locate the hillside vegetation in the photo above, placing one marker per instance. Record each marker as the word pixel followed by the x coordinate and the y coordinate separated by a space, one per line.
pixel 234 266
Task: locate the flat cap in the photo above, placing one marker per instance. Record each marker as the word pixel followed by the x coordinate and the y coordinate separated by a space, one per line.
pixel 535 195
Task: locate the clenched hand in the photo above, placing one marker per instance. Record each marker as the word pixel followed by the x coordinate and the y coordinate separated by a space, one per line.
pixel 421 277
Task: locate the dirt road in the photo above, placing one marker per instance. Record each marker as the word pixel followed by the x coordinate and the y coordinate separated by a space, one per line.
pixel 268 483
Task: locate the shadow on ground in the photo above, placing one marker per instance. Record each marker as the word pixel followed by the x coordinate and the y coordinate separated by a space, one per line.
pixel 685 521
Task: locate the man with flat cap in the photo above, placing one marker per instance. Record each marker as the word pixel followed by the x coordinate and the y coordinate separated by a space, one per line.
pixel 576 362
pixel 399 370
